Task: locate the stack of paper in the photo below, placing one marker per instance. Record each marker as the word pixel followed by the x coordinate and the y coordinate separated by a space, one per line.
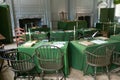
pixel 29 43
pixel 58 44
pixel 86 43
pixel 102 38
pixel 98 41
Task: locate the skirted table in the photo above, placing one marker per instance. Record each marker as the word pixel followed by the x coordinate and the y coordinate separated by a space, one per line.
pixel 115 37
pixel 45 29
pixel 37 36
pixel 77 57
pixel 31 51
pixel 69 25
pixel 62 35
pixel 87 32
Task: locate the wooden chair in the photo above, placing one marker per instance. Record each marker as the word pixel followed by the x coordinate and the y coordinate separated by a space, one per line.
pixel 50 59
pixel 21 63
pixel 116 61
pixel 3 57
pixel 20 36
pixel 100 57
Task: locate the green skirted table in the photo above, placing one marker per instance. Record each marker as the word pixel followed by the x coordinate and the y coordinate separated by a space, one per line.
pixel 115 37
pixel 57 35
pixel 45 29
pixel 62 35
pixel 31 51
pixel 77 57
pixel 85 32
pixel 69 25
pixel 37 36
pixel 66 25
pixel 110 27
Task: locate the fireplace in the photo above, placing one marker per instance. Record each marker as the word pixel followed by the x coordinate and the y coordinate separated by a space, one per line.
pixel 87 19
pixel 29 22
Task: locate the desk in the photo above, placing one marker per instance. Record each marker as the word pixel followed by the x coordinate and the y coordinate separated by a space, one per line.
pixel 108 28
pixel 66 25
pixel 85 32
pixel 31 51
pixel 78 58
pixel 46 29
pixel 115 37
pixel 38 36
pixel 69 25
pixel 62 35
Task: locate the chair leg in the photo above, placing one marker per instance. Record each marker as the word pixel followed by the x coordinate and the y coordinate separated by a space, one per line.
pixel 95 72
pixel 57 75
pixel 86 69
pixel 63 76
pixel 15 76
pixel 108 73
pixel 42 75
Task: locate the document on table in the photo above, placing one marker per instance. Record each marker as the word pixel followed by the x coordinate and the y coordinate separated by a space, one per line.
pixel 102 38
pixel 58 44
pixel 86 43
pixel 98 41
pixel 29 43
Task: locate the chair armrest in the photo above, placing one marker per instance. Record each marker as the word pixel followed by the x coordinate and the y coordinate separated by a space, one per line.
pixel 93 55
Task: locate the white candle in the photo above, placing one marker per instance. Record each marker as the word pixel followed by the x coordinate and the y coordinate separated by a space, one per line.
pixel 29 34
pixel 50 26
pixel 114 28
pixel 74 32
pixel 26 27
pixel 76 24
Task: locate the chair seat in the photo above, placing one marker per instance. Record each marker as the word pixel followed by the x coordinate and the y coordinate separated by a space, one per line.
pixel 99 62
pixel 51 67
pixel 23 67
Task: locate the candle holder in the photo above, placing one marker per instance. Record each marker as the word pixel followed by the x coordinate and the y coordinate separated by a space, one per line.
pixel 115 26
pixel 29 35
pixel 74 33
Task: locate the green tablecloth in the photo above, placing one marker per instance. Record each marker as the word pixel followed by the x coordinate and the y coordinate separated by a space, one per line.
pixel 36 36
pixel 57 35
pixel 69 25
pixel 62 35
pixel 78 58
pixel 31 51
pixel 108 27
pixel 115 37
pixel 46 29
pixel 87 31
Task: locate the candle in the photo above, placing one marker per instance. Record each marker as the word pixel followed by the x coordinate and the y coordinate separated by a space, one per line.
pixel 50 26
pixel 103 27
pixel 29 34
pixel 114 28
pixel 74 32
pixel 76 24
pixel 26 27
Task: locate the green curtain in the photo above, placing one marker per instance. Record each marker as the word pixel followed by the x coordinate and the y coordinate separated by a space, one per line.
pixel 116 1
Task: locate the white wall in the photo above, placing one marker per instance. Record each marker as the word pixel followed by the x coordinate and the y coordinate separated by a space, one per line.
pixel 30 9
pixel 1 1
pixel 49 10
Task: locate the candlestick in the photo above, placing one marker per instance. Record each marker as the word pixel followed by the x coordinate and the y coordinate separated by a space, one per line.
pixel 114 28
pixel 77 24
pixel 103 27
pixel 29 34
pixel 26 27
pixel 74 33
pixel 50 26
